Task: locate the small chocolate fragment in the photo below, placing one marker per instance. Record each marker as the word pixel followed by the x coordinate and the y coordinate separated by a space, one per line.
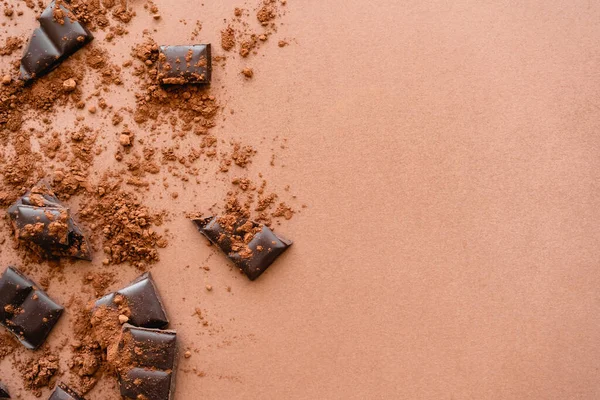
pixel 63 392
pixel 40 220
pixel 26 311
pixel 252 247
pixel 3 392
pixel 148 363
pixel 146 309
pixel 59 36
pixel 178 65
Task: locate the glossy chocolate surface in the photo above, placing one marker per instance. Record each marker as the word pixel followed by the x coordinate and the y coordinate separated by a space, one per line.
pixel 143 301
pixel 25 310
pixel 54 41
pixel 4 391
pixel 265 246
pixel 184 64
pixel 63 392
pixel 41 220
pixel 151 356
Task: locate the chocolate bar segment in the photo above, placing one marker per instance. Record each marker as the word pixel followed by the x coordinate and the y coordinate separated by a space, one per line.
pixel 45 225
pixel 178 65
pixel 58 37
pixel 141 302
pixel 3 392
pixel 253 247
pixel 63 392
pixel 148 361
pixel 26 311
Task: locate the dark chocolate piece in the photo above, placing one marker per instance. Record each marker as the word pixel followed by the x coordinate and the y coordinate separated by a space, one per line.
pixel 25 310
pixel 63 392
pixel 252 247
pixel 148 363
pixel 3 392
pixel 41 220
pixel 58 37
pixel 146 309
pixel 178 65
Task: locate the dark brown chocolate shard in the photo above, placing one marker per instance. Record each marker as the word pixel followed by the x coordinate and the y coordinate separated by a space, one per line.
pixel 179 65
pixel 148 363
pixel 41 221
pixel 58 37
pixel 253 247
pixel 25 310
pixel 63 392
pixel 145 306
pixel 3 392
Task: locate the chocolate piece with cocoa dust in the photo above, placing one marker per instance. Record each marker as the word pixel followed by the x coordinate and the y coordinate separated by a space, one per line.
pixel 144 306
pixel 63 392
pixel 41 221
pixel 147 363
pixel 252 247
pixel 179 65
pixel 25 310
pixel 59 36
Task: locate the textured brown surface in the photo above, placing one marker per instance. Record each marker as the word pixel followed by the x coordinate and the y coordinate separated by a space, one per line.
pixel 449 157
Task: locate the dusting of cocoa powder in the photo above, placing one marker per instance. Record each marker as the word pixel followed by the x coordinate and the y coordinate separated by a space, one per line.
pixel 39 371
pixel 127 227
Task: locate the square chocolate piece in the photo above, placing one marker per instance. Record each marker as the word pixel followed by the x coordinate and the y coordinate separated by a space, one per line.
pixel 45 225
pixel 59 36
pixel 63 392
pixel 148 363
pixel 251 246
pixel 26 311
pixel 141 297
pixel 179 65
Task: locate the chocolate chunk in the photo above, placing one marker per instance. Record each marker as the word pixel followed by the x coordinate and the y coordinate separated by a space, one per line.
pixel 178 65
pixel 252 247
pixel 40 220
pixel 145 307
pixel 63 392
pixel 4 392
pixel 26 311
pixel 148 361
pixel 59 36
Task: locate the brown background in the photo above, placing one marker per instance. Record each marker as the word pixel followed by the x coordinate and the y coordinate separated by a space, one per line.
pixel 448 153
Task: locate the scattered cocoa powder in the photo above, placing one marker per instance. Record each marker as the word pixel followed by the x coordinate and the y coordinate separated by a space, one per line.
pixel 228 38
pixel 39 371
pixel 11 45
pixel 100 281
pixel 127 228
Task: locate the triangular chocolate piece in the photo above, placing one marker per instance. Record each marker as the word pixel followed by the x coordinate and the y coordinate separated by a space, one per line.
pixel 59 36
pixel 141 300
pixel 45 224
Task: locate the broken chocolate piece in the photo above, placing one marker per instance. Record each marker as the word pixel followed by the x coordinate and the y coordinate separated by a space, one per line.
pixel 143 302
pixel 26 311
pixel 148 363
pixel 63 392
pixel 58 37
pixel 178 65
pixel 252 247
pixel 3 392
pixel 40 220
